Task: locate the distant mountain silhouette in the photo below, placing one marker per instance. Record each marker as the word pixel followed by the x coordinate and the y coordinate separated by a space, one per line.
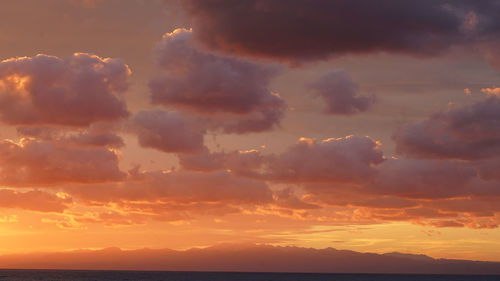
pixel 248 258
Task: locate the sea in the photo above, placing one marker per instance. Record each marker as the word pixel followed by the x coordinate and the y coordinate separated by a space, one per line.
pixel 80 275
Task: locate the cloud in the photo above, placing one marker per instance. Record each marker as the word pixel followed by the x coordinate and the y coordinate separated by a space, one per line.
pixel 240 162
pixel 489 169
pixel 193 187
pixel 470 131
pixel 75 91
pixel 351 180
pixel 167 131
pixel 232 93
pixel 331 160
pixel 288 199
pixel 437 192
pixel 422 178
pixel 299 30
pixel 97 135
pixel 489 49
pixel 91 139
pixel 33 200
pixel 255 122
pixel 491 91
pixel 176 195
pixel 483 207
pixel 341 93
pixel 38 163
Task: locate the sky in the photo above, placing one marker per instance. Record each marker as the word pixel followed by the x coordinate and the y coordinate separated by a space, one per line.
pixel 367 126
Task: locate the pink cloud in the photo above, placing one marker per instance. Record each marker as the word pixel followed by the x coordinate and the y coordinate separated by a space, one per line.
pixel 75 91
pixel 174 195
pixel 418 178
pixel 239 162
pixel 470 131
pixel 331 160
pixel 97 135
pixel 167 131
pixel 489 169
pixel 180 187
pixel 229 93
pixel 341 93
pixel 36 163
pixel 92 139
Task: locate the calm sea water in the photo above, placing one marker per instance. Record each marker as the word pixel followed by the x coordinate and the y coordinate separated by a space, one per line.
pixel 73 275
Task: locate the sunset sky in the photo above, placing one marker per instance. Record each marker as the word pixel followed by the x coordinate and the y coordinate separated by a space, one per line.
pixel 372 126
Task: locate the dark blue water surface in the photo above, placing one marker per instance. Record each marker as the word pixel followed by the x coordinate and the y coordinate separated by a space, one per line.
pixel 77 275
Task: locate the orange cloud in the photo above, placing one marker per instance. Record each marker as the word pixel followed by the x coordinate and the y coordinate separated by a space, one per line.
pixel 174 195
pixel 33 200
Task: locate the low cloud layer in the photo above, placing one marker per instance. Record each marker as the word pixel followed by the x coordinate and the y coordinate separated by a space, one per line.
pixel 33 200
pixel 352 173
pixel 172 196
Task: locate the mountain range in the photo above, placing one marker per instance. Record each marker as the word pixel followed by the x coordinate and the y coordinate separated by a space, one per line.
pixel 248 258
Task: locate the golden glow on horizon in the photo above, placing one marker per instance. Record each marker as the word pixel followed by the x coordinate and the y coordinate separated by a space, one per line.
pixel 456 243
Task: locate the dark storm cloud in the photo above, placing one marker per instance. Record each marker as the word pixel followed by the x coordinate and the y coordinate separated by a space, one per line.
pixel 300 30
